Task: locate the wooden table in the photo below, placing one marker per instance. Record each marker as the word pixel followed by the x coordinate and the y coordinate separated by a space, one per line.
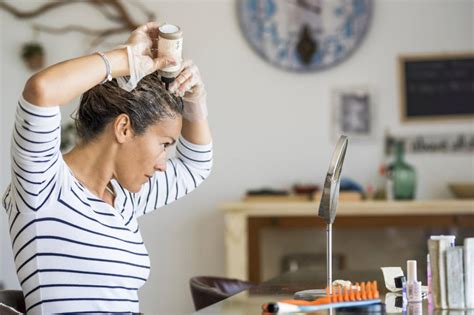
pixel 244 221
pixel 284 286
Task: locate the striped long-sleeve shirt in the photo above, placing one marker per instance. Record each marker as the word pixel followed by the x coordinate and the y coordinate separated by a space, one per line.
pixel 73 252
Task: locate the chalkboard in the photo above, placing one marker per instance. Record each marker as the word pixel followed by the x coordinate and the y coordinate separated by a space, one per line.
pixel 437 86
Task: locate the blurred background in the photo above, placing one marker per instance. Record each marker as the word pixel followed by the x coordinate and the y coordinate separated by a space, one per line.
pixel 282 86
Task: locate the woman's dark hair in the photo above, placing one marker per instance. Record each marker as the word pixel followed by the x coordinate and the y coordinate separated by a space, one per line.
pixel 147 104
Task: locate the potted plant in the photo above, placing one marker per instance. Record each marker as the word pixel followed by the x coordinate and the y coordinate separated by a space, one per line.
pixel 32 54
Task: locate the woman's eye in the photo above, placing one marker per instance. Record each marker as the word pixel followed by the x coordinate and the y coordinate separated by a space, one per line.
pixel 166 145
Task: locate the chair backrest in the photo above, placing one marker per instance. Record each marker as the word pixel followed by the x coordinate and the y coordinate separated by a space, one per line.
pixel 207 290
pixel 13 298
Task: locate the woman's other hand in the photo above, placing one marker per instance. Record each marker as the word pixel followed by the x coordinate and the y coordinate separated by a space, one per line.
pixel 188 84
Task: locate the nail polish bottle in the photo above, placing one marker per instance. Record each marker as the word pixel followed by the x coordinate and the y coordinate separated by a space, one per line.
pixel 414 308
pixel 413 285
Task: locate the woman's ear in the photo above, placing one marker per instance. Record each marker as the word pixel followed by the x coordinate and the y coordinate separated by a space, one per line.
pixel 123 128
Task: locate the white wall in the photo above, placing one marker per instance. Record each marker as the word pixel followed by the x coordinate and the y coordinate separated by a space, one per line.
pixel 271 128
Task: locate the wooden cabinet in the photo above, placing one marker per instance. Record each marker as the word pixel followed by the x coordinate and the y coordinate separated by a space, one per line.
pixel 244 221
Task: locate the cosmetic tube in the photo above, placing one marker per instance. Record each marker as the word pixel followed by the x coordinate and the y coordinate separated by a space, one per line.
pixel 170 45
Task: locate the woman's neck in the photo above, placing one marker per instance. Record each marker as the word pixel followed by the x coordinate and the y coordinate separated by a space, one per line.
pixel 92 165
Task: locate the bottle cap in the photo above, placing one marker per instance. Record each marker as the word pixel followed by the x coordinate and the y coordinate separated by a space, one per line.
pixel 411 270
pixel 450 238
pixel 169 28
pixel 400 282
pixel 440 237
pixel 170 31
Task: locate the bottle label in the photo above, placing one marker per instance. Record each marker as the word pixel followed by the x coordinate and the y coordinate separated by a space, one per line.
pixel 171 48
pixel 415 308
pixel 414 292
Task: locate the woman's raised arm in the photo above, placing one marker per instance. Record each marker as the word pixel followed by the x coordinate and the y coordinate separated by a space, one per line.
pixel 62 82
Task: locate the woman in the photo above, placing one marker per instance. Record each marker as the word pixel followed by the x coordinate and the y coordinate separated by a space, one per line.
pixel 73 217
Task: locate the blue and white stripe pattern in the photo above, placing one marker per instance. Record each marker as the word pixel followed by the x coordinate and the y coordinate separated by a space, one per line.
pixel 73 252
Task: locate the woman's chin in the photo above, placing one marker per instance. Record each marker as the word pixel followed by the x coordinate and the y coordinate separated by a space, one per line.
pixel 133 188
pixel 136 189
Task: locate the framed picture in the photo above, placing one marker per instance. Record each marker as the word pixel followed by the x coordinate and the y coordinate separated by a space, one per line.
pixel 436 87
pixel 352 113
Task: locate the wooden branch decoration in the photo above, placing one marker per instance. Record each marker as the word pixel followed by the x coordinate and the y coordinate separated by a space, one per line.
pixel 30 14
pixel 113 10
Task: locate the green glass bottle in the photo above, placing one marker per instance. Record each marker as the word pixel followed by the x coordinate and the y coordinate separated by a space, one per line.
pixel 403 175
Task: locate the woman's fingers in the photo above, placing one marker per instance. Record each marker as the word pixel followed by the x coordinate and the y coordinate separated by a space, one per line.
pixel 145 34
pixel 188 63
pixel 187 85
pixel 160 63
pixel 187 79
pixel 148 27
pixel 181 78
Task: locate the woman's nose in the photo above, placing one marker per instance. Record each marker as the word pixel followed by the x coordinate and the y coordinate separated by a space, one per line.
pixel 160 164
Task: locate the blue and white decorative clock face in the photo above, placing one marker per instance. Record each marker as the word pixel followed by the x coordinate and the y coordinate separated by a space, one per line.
pixel 303 35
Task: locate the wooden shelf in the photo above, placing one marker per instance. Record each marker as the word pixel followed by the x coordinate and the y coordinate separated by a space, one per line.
pixel 354 208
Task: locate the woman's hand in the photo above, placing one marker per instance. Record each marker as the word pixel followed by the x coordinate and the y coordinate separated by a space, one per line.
pixel 188 84
pixel 140 58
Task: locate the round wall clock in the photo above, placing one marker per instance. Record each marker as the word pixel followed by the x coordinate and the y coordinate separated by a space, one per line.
pixel 304 35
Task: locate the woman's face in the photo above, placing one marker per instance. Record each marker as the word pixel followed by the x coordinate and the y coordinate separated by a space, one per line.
pixel 139 158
